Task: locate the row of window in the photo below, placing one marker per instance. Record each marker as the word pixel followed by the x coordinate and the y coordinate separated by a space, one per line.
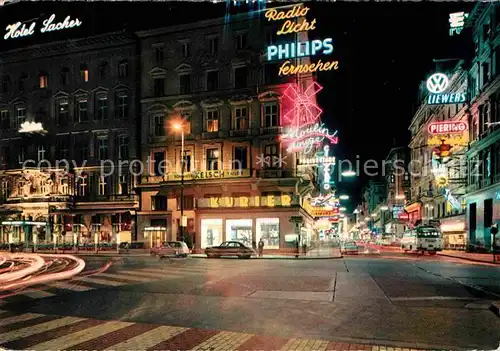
pixel 104 72
pixel 240 119
pixel 212 80
pixel 213 159
pixel 81 111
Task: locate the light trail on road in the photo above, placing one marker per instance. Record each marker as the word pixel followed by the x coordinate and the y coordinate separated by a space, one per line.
pixel 20 270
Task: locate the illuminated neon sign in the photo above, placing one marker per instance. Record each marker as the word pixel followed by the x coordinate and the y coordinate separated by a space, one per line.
pixel 451 127
pixel 298 49
pixel 437 85
pixel 20 30
pixel 457 22
pixel 306 139
pixel 326 168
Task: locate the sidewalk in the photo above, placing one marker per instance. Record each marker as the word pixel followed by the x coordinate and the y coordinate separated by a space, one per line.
pixel 475 257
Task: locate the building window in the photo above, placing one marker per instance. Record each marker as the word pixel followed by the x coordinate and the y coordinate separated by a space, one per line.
pixel 188 203
pixel 212 160
pixel 240 160
pixel 214 45
pixel 123 69
pixel 21 156
pixel 186 121
pixel 44 81
pixel 82 150
pixel 41 153
pixel 271 114
pixel 123 145
pixel 103 185
pixel 186 50
pixel 185 83
pixel 62 112
pixel 241 41
pixel 4 119
pixel 65 75
pixel 212 80
pixel 159 163
pixel 158 126
pixel 102 108
pixel 240 77
pixel 82 185
pixel 212 120
pixel 159 87
pixel 240 119
pixel 122 108
pixel 271 153
pixel 84 73
pixel 20 116
pixel 102 148
pixel 239 230
pixel 187 161
pixel 82 110
pixel 268 230
pixel 158 52
pixel 271 71
pixel 159 203
pixel 63 149
pixel 123 185
pixel 211 232
pixel 103 70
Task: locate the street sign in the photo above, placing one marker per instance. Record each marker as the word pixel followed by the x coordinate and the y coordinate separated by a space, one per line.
pixel 296 219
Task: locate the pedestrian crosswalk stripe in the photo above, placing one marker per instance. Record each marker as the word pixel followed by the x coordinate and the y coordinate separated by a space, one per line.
pixel 39 328
pixel 65 342
pixel 20 318
pixel 97 280
pixel 148 339
pixel 70 285
pixel 226 340
pixel 124 277
pixel 38 294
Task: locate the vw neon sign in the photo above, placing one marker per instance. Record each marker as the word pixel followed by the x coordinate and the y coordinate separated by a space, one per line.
pixel 437 86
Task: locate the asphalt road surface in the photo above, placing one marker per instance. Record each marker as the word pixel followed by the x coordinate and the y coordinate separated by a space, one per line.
pixel 401 301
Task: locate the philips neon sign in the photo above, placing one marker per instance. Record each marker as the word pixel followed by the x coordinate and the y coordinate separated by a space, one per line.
pixel 21 30
pixel 292 50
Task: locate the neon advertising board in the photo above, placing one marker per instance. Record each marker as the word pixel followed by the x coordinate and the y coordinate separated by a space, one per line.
pixel 437 86
pixel 325 162
pixel 21 30
pixel 452 133
pixel 457 22
pixel 296 49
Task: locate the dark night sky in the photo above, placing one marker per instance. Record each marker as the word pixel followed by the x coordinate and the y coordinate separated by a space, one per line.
pixel 385 50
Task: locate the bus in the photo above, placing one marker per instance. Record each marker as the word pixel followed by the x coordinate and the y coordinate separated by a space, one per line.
pixel 422 239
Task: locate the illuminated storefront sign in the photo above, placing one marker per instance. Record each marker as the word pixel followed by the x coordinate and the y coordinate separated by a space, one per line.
pixel 456 140
pixel 447 127
pixel 21 30
pixel 199 175
pixel 437 85
pixel 246 201
pixel 296 49
pixel 497 195
pixel 457 22
pixel 324 212
pixel 306 139
pixel 448 133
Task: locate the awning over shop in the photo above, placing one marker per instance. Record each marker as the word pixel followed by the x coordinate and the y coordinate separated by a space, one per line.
pixel 413 207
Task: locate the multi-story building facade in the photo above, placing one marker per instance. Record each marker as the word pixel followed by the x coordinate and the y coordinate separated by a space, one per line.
pixel 483 155
pixel 73 180
pixel 239 181
pixel 438 187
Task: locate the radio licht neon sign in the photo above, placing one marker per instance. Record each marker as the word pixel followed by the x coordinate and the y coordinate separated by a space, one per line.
pixel 437 84
pixel 298 49
pixel 20 30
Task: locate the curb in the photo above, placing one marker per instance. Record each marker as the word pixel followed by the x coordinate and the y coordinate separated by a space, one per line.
pixel 283 258
pixel 495 308
pixel 470 259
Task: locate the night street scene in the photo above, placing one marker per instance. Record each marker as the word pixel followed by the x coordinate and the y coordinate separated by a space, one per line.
pixel 249 176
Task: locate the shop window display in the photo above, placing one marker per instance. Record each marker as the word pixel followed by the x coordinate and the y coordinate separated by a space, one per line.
pixel 268 229
pixel 211 232
pixel 239 230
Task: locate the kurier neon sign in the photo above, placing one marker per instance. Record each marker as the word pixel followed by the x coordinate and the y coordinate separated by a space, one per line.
pixel 20 30
pixel 294 49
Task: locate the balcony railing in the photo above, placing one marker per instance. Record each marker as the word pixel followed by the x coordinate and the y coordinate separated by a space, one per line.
pixel 271 130
pixel 276 173
pixel 239 133
pixel 105 198
pixel 210 135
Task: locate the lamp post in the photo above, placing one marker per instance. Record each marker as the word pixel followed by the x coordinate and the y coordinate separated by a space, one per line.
pixel 180 127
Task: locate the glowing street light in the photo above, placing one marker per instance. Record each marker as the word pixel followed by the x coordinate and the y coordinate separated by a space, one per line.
pixel 367 219
pixel 349 173
pixel 384 208
pixel 342 209
pixel 374 215
pixel 344 197
pixel 400 197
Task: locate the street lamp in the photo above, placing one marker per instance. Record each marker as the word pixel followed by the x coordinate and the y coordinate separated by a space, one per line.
pixel 349 173
pixel 400 197
pixel 384 208
pixel 342 209
pixel 344 197
pixel 180 127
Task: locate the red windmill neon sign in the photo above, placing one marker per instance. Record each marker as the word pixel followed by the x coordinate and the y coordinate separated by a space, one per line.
pixel 305 111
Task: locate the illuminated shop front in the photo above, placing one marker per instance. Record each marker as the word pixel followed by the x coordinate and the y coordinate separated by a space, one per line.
pixel 454 232
pixel 250 219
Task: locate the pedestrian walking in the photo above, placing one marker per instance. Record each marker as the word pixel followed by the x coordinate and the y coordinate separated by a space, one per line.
pixel 261 247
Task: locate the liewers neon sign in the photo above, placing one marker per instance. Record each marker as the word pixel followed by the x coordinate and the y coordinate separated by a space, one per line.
pixel 298 49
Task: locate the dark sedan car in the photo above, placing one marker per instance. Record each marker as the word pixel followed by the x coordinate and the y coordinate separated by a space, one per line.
pixel 230 248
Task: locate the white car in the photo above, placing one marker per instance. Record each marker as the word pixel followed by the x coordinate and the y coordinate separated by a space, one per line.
pixel 181 248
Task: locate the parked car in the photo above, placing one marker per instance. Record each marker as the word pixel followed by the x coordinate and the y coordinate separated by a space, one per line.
pixel 349 248
pixel 230 248
pixel 181 247
pixel 164 250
